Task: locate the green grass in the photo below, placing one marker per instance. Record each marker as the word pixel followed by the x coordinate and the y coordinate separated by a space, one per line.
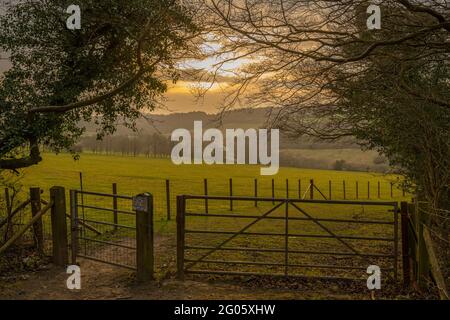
pixel 140 174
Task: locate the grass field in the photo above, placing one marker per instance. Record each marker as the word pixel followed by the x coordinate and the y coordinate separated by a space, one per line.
pixel 134 175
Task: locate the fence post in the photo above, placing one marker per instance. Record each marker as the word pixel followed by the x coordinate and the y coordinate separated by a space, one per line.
pixel 299 189
pixel 273 191
pixel 329 190
pixel 59 226
pixel 143 205
pixel 168 199
pixel 256 192
pixel 311 189
pixel 287 188
pixel 343 184
pixel 231 194
pixel 205 183
pixel 115 213
pixel 405 244
pixel 424 266
pixel 181 204
pixel 368 190
pixel 357 190
pixel 8 230
pixel 392 190
pixel 38 234
pixel 379 190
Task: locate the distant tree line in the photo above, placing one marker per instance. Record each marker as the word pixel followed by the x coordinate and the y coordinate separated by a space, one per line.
pixel 148 145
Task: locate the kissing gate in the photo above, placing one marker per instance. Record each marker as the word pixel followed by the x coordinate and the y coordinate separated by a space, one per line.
pixel 287 237
pixel 105 229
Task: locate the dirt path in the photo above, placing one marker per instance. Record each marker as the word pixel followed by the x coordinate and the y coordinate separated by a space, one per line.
pixel 100 281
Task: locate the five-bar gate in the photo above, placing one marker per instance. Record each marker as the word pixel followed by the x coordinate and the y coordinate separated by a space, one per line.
pixel 287 237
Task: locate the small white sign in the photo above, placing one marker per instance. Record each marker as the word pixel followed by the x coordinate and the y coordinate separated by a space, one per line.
pixel 140 203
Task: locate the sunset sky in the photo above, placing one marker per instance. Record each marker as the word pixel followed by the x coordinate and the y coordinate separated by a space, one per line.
pixel 181 97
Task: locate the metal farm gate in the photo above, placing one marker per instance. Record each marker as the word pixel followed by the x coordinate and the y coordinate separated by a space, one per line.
pixel 113 229
pixel 286 237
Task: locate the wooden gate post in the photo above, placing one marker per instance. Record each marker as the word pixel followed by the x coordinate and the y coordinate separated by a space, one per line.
pixel 405 244
pixel 38 234
pixel 205 185
pixel 231 194
pixel 168 199
pixel 273 191
pixel 256 192
pixel 181 206
pixel 59 226
pixel 423 259
pixel 311 189
pixel 143 205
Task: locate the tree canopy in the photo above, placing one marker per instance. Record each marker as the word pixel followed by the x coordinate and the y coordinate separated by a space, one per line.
pixel 111 69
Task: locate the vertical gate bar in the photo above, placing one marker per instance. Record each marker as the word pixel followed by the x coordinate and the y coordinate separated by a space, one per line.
pixel 74 225
pixel 231 194
pixel 368 190
pixel 38 234
pixel 256 192
pixel 181 205
pixel 168 199
pixel 405 244
pixel 273 191
pixel 311 189
pixel 205 183
pixel 286 244
pixel 392 190
pixel 396 242
pixel 116 217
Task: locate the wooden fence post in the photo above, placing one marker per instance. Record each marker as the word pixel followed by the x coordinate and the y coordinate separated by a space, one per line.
pixel 357 190
pixel 424 264
pixel 205 182
pixel 287 188
pixel 368 190
pixel 38 234
pixel 392 190
pixel 311 189
pixel 329 190
pixel 405 244
pixel 8 231
pixel 231 194
pixel 379 190
pixel 299 189
pixel 59 226
pixel 181 204
pixel 273 191
pixel 144 237
pixel 115 213
pixel 168 199
pixel 256 192
pixel 343 184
